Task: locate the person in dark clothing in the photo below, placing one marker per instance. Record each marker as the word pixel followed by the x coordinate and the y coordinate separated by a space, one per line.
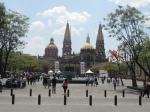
pixel 1 85
pixel 28 79
pixel 45 81
pixel 95 82
pixel 146 89
pixel 54 84
pixel 87 81
pixel 114 83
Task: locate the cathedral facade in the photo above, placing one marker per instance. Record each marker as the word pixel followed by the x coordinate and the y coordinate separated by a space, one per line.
pixel 88 54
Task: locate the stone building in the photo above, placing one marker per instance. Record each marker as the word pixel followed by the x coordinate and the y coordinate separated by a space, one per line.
pixel 51 51
pixel 88 54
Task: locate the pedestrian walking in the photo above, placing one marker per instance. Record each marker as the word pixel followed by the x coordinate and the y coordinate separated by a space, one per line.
pixel 54 85
pixel 95 82
pixel 45 81
pixel 102 79
pixel 48 82
pixel 146 89
pixel 28 79
pixel 65 86
pixel 1 85
pixel 87 81
pixel 114 83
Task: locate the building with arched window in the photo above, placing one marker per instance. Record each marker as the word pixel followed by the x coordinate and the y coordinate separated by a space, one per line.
pixel 89 54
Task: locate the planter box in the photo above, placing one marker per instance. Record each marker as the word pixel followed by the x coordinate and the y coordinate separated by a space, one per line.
pixel 130 87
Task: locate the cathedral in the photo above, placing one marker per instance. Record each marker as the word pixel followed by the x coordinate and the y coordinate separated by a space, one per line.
pixel 89 54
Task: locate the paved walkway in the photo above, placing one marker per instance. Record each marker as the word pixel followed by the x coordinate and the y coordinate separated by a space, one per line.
pixel 77 100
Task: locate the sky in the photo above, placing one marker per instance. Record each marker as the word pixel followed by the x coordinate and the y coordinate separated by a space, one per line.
pixel 48 19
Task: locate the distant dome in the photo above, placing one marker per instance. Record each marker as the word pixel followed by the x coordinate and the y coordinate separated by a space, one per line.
pixel 51 46
pixel 87 46
pixel 51 50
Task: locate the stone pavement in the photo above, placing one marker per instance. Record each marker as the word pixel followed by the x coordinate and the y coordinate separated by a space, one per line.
pixel 77 100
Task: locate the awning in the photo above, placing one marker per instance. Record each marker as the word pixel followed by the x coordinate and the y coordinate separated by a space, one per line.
pixel 89 71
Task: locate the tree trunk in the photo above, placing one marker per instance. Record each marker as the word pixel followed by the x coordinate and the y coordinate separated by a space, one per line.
pixel 133 78
pixel 121 81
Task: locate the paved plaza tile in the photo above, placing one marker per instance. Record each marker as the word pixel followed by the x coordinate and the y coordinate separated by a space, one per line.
pixel 77 101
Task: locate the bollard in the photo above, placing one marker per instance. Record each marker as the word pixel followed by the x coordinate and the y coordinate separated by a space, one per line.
pixel 140 100
pixel 115 100
pixel 86 93
pixel 13 99
pixel 30 92
pixel 49 92
pixel 39 99
pixel 123 93
pixel 68 93
pixel 65 100
pixel 105 93
pixel 90 100
pixel 11 92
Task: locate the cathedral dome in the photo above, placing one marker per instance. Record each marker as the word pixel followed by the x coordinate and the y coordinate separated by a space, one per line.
pixel 87 46
pixel 51 46
pixel 51 50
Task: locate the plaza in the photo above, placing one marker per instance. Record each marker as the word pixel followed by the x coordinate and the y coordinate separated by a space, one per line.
pixel 77 101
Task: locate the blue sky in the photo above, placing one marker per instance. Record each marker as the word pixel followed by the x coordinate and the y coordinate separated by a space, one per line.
pixel 48 18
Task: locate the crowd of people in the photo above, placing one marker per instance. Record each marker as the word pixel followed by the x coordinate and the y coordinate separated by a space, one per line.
pixel 20 81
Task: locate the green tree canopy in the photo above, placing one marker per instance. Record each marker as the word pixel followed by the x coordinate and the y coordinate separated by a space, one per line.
pixel 127 26
pixel 13 27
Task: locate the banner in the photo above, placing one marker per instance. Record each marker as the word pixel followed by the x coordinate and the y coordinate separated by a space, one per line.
pixel 56 66
pixel 82 64
pixel 103 73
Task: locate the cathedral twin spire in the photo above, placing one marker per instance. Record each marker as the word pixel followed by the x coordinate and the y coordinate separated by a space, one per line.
pixel 100 50
pixel 67 36
pixel 66 50
pixel 100 33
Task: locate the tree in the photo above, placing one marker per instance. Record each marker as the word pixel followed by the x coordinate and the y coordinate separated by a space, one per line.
pixel 2 22
pixel 14 27
pixel 144 58
pixel 127 25
pixel 117 57
pixel 45 66
pixel 95 69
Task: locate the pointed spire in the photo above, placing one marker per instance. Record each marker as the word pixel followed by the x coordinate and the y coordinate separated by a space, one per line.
pixel 67 35
pixel 100 33
pixel 87 39
pixel 51 41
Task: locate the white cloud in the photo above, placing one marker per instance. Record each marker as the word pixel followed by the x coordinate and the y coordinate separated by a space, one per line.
pixel 35 45
pixel 37 25
pixel 133 3
pixel 62 15
pixel 37 39
pixel 59 31
pixel 146 13
pixel 74 31
pixel 50 22
pixel 56 11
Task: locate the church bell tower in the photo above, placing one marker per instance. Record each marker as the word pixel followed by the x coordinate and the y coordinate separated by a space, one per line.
pixel 66 50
